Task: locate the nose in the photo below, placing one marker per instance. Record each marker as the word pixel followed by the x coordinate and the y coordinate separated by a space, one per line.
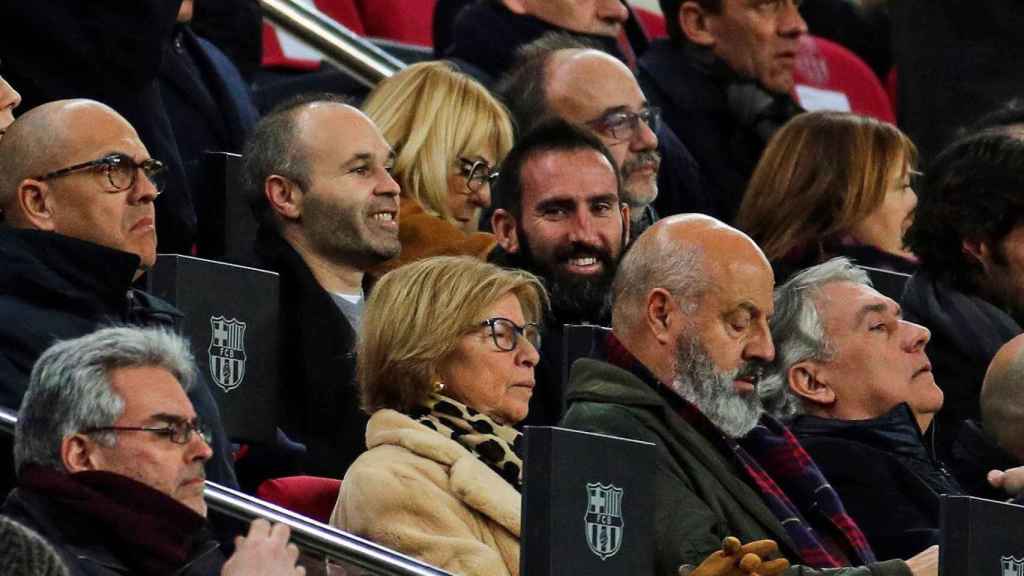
pixel 144 191
pixel 612 11
pixel 644 138
pixel 917 336
pixel 791 23
pixel 387 185
pixel 198 449
pixel 9 97
pixel 760 346
pixel 528 355
pixel 482 197
pixel 583 229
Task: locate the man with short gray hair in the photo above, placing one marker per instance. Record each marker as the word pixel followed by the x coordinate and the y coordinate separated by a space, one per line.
pixel 109 454
pixel 856 375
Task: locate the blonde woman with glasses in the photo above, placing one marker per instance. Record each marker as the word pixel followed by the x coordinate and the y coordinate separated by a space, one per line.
pixel 449 134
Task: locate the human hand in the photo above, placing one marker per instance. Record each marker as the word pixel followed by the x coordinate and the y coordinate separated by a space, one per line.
pixel 735 559
pixel 926 563
pixel 264 551
pixel 1011 480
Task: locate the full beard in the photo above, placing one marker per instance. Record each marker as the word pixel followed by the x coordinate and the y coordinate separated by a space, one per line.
pixel 574 298
pixel 699 382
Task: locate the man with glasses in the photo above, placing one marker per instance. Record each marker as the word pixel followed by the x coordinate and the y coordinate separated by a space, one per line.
pixel 77 188
pixel 723 80
pixel 109 453
pixel 559 214
pixel 317 173
pixel 559 76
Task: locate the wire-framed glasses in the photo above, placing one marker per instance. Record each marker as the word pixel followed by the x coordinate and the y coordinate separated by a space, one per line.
pixel 624 125
pixel 178 432
pixel 477 173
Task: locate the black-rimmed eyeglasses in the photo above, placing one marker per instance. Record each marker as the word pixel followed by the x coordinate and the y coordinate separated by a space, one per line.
pixel 506 333
pixel 624 125
pixel 120 170
pixel 177 432
pixel 477 173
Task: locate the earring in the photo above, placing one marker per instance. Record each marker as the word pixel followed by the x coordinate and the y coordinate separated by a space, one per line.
pixel 438 386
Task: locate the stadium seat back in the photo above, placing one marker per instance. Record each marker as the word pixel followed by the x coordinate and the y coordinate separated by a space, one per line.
pixel 407 21
pixel 310 496
pixel 827 74
pixel 280 49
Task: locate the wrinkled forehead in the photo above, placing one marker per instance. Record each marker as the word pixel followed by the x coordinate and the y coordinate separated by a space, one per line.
pixel 335 132
pixel 580 175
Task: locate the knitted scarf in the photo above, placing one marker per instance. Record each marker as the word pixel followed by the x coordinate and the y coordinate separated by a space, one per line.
pixel 497 446
pixel 774 463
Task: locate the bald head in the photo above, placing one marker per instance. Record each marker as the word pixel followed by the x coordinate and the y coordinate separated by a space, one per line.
pixel 44 139
pixel 1002 397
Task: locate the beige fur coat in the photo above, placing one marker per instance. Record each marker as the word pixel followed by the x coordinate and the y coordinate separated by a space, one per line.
pixel 425 495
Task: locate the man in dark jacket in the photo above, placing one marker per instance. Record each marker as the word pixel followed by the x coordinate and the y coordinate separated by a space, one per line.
pixel 690 309
pixel 857 378
pixel 77 189
pixel 109 453
pixel 722 80
pixel 559 215
pixel 125 56
pixel 969 290
pixel 317 173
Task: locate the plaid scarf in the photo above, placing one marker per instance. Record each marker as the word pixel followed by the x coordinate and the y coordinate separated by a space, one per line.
pixel 775 464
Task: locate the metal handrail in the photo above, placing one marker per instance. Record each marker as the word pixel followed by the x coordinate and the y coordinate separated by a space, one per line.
pixel 339 45
pixel 307 533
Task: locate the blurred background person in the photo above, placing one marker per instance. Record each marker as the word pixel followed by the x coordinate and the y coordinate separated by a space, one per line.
pixel 832 184
pixel 449 135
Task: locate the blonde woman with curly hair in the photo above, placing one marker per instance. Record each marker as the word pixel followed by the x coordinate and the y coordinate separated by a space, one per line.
pixel 449 134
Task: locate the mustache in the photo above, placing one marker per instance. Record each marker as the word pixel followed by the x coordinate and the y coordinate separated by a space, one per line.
pixel 754 371
pixel 642 160
pixel 583 250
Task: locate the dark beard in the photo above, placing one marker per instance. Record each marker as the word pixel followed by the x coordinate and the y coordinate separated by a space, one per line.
pixel 699 382
pixel 574 299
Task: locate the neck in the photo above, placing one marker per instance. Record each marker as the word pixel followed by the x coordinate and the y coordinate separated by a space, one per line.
pixel 649 352
pixel 330 274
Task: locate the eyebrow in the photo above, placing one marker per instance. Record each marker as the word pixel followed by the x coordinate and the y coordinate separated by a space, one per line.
pixel 168 418
pixel 878 308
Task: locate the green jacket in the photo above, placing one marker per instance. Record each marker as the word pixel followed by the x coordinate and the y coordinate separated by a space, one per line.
pixel 700 498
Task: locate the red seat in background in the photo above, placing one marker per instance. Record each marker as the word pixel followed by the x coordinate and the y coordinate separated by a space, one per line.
pixel 825 65
pixel 310 496
pixel 653 23
pixel 407 21
pixel 344 11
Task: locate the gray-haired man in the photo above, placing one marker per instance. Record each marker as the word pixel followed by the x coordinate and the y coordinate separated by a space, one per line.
pixel 857 376
pixel 109 453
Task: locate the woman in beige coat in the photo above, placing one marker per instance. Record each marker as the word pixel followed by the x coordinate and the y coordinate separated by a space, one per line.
pixel 445 367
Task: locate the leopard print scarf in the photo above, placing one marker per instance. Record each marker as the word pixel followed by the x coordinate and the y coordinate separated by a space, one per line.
pixel 498 446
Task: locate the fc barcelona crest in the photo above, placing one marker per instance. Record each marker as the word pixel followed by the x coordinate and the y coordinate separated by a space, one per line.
pixel 1012 566
pixel 227 352
pixel 604 519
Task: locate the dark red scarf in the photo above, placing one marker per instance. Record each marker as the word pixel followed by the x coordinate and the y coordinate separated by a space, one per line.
pixel 150 532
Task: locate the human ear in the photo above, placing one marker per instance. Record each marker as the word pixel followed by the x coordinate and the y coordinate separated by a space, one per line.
pixel 78 454
pixel 36 204
pixel 808 381
pixel 659 315
pixel 695 24
pixel 505 230
pixel 284 196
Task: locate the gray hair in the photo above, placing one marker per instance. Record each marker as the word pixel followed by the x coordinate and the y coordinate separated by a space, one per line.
pixel 656 262
pixel 798 331
pixel 70 387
